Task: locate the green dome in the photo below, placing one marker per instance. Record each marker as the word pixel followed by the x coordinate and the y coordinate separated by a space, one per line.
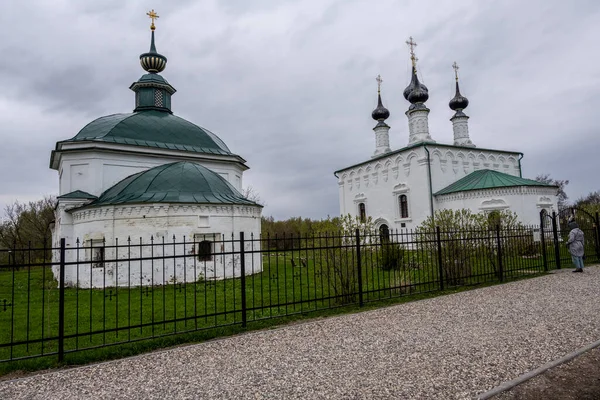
pixel 180 182
pixel 152 128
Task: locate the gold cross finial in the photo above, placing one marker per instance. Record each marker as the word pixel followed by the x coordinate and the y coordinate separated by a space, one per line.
pixel 455 66
pixel 412 44
pixel 153 15
pixel 379 80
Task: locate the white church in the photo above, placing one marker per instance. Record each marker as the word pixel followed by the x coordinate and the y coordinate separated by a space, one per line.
pixel 401 188
pixel 148 177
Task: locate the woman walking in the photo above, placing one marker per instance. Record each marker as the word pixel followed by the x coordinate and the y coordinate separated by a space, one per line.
pixel 575 245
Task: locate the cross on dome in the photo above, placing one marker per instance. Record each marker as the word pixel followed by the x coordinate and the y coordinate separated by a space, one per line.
pixel 379 81
pixel 412 44
pixel 456 67
pixel 152 15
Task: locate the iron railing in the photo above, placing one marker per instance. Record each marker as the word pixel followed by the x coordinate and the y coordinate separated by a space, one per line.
pixel 60 300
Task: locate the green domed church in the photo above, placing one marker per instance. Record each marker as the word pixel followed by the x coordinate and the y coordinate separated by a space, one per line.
pixel 150 175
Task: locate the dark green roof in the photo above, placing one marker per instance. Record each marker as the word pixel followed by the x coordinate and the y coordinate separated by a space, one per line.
pixel 180 182
pixel 152 129
pixel 488 179
pixel 78 194
pixel 153 78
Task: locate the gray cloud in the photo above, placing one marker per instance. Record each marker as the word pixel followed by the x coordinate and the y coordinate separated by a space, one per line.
pixel 290 85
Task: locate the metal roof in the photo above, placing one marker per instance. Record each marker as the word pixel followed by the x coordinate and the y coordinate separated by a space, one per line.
pixel 152 129
pixel 180 182
pixel 78 194
pixel 488 179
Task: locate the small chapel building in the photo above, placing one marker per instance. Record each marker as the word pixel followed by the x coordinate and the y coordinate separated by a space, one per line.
pixel 401 188
pixel 150 177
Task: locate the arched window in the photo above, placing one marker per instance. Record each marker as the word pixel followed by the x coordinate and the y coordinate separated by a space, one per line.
pixel 205 251
pixel 362 212
pixel 384 233
pixel 403 206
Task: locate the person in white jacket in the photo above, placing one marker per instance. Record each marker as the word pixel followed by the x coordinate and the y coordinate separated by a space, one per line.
pixel 575 245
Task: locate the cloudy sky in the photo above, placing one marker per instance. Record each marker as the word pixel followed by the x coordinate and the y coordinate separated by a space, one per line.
pixel 290 85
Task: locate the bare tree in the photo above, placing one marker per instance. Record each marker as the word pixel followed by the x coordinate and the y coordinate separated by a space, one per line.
pixel 562 195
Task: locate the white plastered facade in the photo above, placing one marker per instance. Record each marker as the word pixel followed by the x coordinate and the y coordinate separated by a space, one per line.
pixel 94 168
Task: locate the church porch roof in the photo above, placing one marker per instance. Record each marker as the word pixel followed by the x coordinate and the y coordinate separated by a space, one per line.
pixel 488 179
pixel 78 194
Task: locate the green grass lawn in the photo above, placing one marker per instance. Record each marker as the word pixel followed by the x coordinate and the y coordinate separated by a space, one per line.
pixel 95 318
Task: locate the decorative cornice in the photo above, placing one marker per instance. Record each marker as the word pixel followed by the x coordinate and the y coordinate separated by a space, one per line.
pixel 163 210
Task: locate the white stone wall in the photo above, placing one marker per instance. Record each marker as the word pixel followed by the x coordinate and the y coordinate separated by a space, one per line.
pixel 460 127
pixel 379 182
pixel 418 126
pixel 526 201
pixel 450 164
pixel 94 171
pixel 116 224
pixel 382 140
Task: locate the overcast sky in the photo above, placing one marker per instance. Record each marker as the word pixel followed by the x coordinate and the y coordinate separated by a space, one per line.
pixel 290 85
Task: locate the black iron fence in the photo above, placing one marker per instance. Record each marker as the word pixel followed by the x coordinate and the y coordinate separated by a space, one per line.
pixel 56 301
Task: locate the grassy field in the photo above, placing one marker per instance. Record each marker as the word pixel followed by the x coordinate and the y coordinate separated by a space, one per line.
pixel 29 302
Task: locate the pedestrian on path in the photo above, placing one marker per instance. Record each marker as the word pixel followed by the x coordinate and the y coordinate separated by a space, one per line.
pixel 575 245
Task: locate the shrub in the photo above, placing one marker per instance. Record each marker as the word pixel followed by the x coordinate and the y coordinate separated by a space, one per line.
pixel 392 256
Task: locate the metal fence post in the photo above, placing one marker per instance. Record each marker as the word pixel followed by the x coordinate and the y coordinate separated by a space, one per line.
pixel 543 239
pixel 500 264
pixel 439 251
pixel 61 303
pixel 359 269
pixel 597 237
pixel 556 244
pixel 243 279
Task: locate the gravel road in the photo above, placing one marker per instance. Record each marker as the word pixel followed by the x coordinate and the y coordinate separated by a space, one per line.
pixel 449 347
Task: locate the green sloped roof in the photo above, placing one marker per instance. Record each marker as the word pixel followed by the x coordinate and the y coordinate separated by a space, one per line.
pixel 180 182
pixel 152 129
pixel 78 194
pixel 487 179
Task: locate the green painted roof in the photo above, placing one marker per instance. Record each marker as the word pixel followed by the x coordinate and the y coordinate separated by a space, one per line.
pixel 78 194
pixel 153 78
pixel 488 179
pixel 152 129
pixel 180 182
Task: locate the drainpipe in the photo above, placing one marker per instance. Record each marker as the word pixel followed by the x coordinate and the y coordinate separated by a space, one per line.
pixel 520 158
pixel 430 185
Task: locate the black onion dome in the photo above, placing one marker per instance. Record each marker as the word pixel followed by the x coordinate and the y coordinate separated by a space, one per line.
pixel 459 102
pixel 380 113
pixel 416 92
pixel 152 61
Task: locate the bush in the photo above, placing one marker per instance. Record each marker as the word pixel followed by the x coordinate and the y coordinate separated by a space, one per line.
pixel 392 256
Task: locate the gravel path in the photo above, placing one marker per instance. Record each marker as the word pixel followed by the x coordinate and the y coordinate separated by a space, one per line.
pixel 449 347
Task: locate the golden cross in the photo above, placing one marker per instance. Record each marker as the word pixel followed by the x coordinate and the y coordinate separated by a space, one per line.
pixel 412 44
pixel 379 80
pixel 153 15
pixel 455 66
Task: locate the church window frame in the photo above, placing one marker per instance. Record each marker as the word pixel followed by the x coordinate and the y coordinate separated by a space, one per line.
pixel 96 252
pixel 206 246
pixel 362 212
pixel 403 204
pixel 402 209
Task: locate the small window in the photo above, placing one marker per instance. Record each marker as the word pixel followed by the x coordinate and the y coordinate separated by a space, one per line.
pixel 403 206
pixel 362 212
pixel 205 250
pixel 97 253
pixel 158 97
